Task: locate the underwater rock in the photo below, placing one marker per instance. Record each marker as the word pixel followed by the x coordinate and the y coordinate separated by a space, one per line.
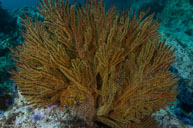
pixel 177 23
pixel 166 119
pixel 184 59
pixel 23 116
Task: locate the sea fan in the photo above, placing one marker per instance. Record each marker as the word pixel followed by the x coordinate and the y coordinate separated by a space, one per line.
pixel 110 67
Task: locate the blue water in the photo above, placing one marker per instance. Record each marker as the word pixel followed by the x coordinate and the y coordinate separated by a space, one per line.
pixel 14 4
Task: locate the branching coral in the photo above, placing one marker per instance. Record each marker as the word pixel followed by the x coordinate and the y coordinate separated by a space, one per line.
pixel 112 65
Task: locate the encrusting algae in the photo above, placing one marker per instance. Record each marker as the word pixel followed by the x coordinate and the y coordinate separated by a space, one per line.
pixel 110 67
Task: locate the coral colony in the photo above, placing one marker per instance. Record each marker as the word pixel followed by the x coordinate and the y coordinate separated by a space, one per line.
pixel 109 67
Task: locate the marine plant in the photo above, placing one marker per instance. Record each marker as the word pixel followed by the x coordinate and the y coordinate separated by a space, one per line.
pixel 109 66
